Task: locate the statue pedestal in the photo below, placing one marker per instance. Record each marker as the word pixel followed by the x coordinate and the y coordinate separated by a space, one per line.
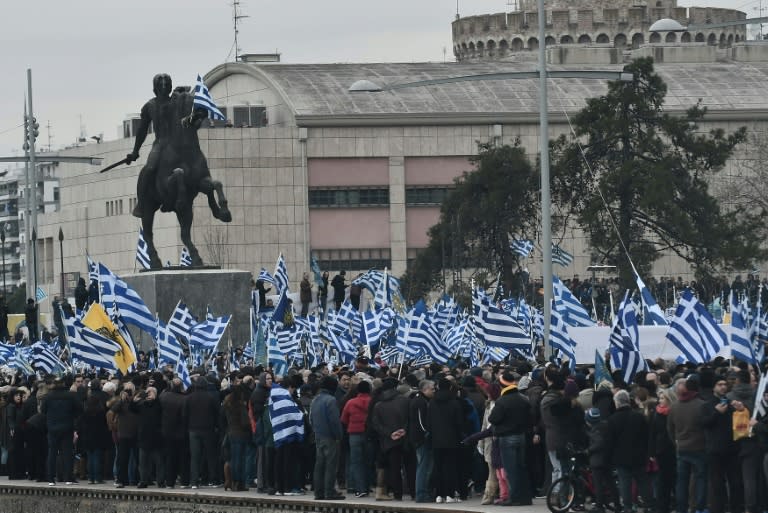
pixel 225 291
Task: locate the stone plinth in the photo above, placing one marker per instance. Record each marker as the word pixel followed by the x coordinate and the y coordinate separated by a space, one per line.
pixel 225 291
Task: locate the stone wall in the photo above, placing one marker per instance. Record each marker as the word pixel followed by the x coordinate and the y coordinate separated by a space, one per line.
pixel 620 23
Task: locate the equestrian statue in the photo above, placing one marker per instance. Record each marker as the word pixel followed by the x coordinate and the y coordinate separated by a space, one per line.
pixel 176 169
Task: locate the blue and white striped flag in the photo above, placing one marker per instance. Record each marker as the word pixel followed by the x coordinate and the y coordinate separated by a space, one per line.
pixel 142 251
pixel 183 373
pixel 281 275
pixel 496 328
pixel 376 324
pixel 265 277
pixel 625 342
pixel 742 336
pixel 382 296
pixel 89 347
pixel 40 295
pixel 204 101
pixel 570 308
pixel 561 256
pixel 315 266
pixel 207 334
pixel 421 337
pixel 522 247
pixel 182 321
pixel 93 269
pixel 169 350
pixel 44 358
pixel 694 332
pixel 652 314
pixel 115 291
pixel 630 363
pixel 185 260
pixel 560 339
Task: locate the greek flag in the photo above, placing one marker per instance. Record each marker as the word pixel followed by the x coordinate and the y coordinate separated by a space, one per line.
pixel 694 332
pixel 89 347
pixel 116 292
pixel 142 251
pixel 344 318
pixel 186 259
pixel 420 336
pixel 275 356
pixel 343 344
pixel 169 350
pixel 371 281
pixel 652 314
pixel 182 321
pixel 601 370
pixel 207 334
pixel 522 247
pixel 625 342
pixel 560 339
pixel 6 352
pixel 281 275
pixel 265 277
pixel 183 373
pixel 204 101
pixel 496 328
pixel 93 269
pixel 570 308
pixel 376 325
pixel 381 297
pixel 561 256
pixel 40 294
pixel 44 359
pixel 742 336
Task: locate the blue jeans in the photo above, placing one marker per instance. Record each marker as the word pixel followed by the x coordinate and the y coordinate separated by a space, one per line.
pixel 512 448
pixel 358 459
pixel 687 462
pixel 237 451
pixel 95 458
pixel 424 465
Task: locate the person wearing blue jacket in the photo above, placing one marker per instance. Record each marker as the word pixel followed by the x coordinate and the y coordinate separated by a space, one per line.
pixel 326 424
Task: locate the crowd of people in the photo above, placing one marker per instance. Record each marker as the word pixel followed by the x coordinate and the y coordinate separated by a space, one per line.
pixel 680 437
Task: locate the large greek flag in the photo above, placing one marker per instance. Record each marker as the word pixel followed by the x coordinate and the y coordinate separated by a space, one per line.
pixel 694 332
pixel 496 328
pixel 742 335
pixel 182 321
pixel 522 247
pixel 570 308
pixel 560 339
pixel 204 101
pixel 652 314
pixel 115 291
pixel 561 256
pixel 281 274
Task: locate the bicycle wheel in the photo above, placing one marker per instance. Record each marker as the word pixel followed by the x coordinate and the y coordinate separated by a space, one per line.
pixel 561 495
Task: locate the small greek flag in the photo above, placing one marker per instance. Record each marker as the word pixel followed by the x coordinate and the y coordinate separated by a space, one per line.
pixel 40 295
pixel 186 258
pixel 522 247
pixel 561 256
pixel 204 101
pixel 142 252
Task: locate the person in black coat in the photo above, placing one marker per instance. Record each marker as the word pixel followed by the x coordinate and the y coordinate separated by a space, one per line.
pixel 339 289
pixel 445 426
pixel 661 449
pixel 600 461
pixel 94 436
pixel 30 318
pixel 61 409
pixel 150 438
pixel 14 426
pixel 627 442
pixel 81 294
pixel 723 464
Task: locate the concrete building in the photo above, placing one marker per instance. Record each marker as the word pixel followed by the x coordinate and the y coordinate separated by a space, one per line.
pixel 621 24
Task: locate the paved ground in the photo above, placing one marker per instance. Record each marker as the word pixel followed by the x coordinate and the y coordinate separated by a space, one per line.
pixel 470 505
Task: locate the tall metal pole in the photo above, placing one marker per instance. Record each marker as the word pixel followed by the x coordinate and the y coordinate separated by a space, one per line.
pixel 27 209
pixel 34 293
pixel 33 174
pixel 546 202
pixel 61 257
pixel 2 239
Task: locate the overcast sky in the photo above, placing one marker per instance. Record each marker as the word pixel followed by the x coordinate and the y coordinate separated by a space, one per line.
pixel 92 61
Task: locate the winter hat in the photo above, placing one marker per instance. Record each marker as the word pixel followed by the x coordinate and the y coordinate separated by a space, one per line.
pixel 509 378
pixel 571 389
pixel 592 416
pixel 364 387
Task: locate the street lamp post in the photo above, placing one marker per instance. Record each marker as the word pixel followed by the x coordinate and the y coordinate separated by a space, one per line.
pixel 61 257
pixel 34 262
pixel 2 240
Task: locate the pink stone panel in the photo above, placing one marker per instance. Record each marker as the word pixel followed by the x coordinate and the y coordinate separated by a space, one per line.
pixel 418 220
pixel 349 228
pixel 434 170
pixel 344 172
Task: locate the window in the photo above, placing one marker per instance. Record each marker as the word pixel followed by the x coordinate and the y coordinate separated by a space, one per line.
pixel 248 116
pixel 418 196
pixel 334 260
pixel 351 197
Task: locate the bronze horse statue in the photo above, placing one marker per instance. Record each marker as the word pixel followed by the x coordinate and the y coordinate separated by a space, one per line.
pixel 176 169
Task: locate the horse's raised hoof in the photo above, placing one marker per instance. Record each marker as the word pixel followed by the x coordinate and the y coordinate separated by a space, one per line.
pixel 225 216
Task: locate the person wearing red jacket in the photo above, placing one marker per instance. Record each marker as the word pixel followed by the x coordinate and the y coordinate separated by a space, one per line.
pixel 354 417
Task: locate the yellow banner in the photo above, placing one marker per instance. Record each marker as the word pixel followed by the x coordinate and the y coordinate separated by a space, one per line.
pixel 98 320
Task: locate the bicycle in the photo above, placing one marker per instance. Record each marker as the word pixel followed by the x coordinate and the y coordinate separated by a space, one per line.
pixel 572 490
